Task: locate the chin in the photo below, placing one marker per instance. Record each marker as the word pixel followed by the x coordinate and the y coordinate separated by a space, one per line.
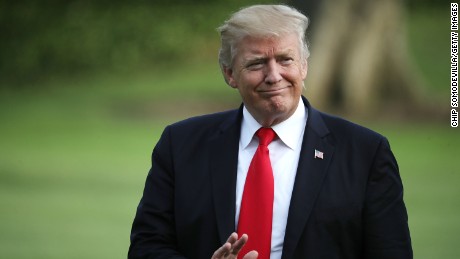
pixel 279 103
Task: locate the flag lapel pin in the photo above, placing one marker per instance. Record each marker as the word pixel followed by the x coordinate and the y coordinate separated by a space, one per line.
pixel 319 154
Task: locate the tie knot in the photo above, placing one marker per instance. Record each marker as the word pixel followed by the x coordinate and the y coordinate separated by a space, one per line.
pixel 266 136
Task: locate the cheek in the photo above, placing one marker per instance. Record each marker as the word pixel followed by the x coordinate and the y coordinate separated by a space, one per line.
pixel 252 80
pixel 296 75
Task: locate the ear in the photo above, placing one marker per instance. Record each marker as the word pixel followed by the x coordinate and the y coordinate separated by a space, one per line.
pixel 229 77
pixel 304 68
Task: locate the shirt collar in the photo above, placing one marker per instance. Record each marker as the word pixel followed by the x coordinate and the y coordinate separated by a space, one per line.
pixel 289 131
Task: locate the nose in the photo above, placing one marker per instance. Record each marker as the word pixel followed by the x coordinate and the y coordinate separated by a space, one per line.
pixel 272 74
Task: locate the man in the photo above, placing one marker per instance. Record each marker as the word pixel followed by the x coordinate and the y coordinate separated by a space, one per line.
pixel 275 178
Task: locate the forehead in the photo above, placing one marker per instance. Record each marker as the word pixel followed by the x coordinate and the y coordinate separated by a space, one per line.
pixel 263 46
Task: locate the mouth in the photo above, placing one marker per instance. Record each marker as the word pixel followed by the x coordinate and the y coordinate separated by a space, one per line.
pixel 273 91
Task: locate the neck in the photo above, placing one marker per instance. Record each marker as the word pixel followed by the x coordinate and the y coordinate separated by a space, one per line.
pixel 271 120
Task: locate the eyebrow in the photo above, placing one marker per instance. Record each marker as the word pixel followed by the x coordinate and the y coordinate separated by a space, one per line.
pixel 257 57
pixel 254 59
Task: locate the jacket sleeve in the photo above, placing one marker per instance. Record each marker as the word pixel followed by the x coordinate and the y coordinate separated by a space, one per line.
pixel 386 231
pixel 153 230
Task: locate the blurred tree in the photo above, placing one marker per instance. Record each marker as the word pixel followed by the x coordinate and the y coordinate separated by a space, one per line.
pixel 359 62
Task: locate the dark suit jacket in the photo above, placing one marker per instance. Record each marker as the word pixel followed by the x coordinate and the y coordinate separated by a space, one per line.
pixel 347 205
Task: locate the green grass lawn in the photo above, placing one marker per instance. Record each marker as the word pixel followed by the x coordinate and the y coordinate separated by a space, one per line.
pixel 74 154
pixel 74 157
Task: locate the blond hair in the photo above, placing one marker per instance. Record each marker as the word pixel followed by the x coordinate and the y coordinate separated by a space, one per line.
pixel 261 21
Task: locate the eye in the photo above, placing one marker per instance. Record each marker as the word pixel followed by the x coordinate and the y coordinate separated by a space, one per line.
pixel 256 65
pixel 286 61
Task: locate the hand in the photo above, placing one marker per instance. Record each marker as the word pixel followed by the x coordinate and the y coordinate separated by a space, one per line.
pixel 232 247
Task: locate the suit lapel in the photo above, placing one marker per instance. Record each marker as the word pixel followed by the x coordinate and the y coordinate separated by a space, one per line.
pixel 310 175
pixel 223 167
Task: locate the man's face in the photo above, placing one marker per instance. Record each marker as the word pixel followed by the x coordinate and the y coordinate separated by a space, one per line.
pixel 269 74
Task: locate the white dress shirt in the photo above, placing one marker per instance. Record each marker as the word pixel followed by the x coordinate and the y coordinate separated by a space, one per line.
pixel 284 157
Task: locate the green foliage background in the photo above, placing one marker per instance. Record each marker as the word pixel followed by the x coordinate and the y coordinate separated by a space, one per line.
pixel 87 87
pixel 42 38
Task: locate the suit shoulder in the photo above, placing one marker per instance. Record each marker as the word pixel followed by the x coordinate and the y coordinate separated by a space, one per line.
pixel 342 128
pixel 206 120
pixel 203 126
pixel 192 133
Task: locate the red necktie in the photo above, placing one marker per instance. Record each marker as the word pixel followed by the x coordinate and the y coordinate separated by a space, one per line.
pixel 256 211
